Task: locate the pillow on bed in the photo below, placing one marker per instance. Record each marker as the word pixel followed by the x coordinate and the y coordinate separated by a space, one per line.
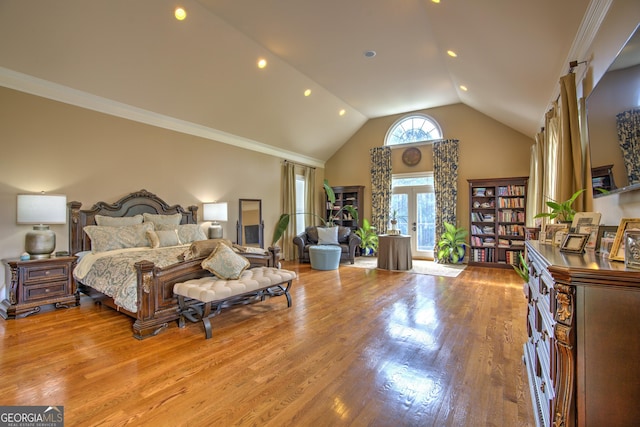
pixel 162 238
pixel 225 263
pixel 187 233
pixel 118 221
pixel 174 219
pixel 110 238
pixel 203 247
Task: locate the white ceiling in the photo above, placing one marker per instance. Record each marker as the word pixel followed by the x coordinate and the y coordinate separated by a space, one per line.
pixel 200 76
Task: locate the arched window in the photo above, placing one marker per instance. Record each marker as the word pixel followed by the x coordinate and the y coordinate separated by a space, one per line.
pixel 413 128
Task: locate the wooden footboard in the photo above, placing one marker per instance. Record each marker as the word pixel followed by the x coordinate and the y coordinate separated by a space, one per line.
pixel 157 305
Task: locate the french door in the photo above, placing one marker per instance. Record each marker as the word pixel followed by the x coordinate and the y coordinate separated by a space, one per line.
pixel 414 200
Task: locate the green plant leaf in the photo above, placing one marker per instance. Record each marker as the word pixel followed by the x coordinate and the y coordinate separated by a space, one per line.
pixel 281 225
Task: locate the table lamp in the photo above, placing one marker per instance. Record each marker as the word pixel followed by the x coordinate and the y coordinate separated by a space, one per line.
pixel 214 212
pixel 41 210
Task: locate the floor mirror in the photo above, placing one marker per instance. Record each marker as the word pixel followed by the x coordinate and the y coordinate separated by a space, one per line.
pixel 250 228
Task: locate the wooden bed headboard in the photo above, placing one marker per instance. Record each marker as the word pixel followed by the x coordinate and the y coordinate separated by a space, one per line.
pixel 132 204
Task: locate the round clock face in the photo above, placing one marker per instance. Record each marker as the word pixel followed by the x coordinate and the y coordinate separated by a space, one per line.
pixel 411 156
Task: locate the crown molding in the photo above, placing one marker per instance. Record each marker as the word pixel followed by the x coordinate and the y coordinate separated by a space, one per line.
pixel 57 92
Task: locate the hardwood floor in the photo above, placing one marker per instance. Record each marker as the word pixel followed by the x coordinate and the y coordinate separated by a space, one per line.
pixel 357 348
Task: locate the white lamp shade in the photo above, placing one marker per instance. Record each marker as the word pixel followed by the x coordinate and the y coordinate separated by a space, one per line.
pixel 42 209
pixel 214 211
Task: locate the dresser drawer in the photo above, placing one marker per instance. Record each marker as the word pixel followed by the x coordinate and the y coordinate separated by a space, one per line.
pixel 45 291
pixel 37 274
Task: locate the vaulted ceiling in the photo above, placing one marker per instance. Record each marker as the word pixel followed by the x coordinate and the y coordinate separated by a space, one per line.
pixel 199 75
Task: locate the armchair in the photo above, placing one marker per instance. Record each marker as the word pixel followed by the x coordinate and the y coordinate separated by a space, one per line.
pixel 347 241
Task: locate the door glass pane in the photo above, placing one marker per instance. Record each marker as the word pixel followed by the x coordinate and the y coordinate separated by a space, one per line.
pixel 426 221
pixel 400 203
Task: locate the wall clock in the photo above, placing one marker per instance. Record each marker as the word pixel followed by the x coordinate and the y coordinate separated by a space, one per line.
pixel 411 156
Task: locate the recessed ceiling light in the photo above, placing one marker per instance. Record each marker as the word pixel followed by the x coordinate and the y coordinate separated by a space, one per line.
pixel 180 14
pixel 307 92
pixel 463 87
pixel 262 63
pixel 435 1
pixel 370 53
pixel 452 54
pixel 343 112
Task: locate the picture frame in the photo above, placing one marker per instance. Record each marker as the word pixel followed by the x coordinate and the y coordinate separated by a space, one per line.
pixel 632 249
pixel 574 243
pixel 602 230
pixel 584 219
pixel 592 231
pixel 549 232
pixel 617 249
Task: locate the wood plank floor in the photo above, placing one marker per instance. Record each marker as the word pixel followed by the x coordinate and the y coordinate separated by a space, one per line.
pixel 357 348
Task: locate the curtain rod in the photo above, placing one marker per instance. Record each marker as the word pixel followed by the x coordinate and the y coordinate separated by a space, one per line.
pixel 299 164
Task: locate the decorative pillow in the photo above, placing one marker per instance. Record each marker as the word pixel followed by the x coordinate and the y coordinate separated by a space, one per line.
pixel 174 219
pixel 162 238
pixel 203 247
pixel 110 238
pixel 225 263
pixel 327 235
pixel 118 221
pixel 312 234
pixel 187 233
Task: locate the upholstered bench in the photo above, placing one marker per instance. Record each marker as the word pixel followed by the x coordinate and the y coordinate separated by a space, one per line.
pixel 324 257
pixel 202 299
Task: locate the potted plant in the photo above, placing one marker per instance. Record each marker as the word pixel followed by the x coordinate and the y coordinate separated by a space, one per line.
pixel 522 268
pixel 452 245
pixel 562 212
pixel 368 237
pixel 283 221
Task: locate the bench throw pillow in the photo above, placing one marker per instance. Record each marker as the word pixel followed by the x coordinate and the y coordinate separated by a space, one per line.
pixel 225 263
pixel 327 235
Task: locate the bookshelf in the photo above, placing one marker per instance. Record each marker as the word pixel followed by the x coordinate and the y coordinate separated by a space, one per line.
pixel 349 195
pixel 497 220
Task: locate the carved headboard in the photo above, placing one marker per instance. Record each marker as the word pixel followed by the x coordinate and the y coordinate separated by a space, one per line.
pixel 133 204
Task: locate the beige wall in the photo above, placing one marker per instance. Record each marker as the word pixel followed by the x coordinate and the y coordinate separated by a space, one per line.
pixel 90 157
pixel 487 149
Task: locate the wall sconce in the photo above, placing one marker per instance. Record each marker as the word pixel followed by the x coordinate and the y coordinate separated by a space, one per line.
pixel 214 212
pixel 42 210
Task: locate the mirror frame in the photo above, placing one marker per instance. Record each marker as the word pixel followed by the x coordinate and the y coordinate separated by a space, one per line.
pixel 240 224
pixel 626 57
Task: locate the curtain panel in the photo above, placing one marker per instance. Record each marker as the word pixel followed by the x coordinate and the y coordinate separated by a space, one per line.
pixel 628 124
pixel 380 187
pixel 571 161
pixel 445 180
pixel 288 205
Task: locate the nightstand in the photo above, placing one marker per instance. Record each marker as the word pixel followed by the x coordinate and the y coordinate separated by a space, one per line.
pixel 34 283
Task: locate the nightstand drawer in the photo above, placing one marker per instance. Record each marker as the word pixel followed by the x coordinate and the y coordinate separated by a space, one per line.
pixel 36 274
pixel 44 291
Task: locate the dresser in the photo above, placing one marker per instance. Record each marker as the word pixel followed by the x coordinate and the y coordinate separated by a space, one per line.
pixel 583 348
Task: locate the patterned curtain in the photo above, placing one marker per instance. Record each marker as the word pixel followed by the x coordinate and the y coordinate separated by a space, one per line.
pixel 380 187
pixel 628 123
pixel 445 180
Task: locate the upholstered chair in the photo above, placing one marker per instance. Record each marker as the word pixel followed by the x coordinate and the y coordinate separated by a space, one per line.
pixel 346 239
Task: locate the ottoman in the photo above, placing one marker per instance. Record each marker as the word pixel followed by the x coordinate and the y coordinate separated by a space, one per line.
pixel 324 257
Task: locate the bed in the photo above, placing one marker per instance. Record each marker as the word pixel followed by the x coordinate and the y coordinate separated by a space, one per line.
pixel 139 281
